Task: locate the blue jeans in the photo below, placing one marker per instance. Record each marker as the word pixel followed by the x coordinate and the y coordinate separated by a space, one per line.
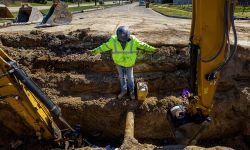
pixel 126 77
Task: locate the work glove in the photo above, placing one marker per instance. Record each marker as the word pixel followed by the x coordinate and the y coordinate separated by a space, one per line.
pixel 156 50
pixel 155 57
pixel 141 55
pixel 90 52
pixel 93 56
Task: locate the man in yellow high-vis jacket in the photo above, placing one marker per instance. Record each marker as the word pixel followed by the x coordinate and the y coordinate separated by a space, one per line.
pixel 124 52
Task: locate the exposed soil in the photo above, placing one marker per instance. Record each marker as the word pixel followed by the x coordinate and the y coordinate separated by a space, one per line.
pixel 85 86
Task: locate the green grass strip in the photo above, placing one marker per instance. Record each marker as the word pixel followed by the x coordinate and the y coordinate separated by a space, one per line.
pixel 186 10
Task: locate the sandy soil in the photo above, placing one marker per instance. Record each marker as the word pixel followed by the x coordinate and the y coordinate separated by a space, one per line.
pixel 145 23
pixel 85 87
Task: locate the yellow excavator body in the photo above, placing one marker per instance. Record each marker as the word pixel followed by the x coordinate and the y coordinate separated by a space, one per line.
pixel 142 91
pixel 207 33
pixel 27 99
pixel 25 103
pixel 22 94
pixel 210 51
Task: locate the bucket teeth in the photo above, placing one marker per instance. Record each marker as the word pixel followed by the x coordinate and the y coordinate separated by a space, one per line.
pixel 186 128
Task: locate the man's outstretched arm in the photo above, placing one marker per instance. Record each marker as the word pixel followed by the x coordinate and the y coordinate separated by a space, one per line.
pixel 102 48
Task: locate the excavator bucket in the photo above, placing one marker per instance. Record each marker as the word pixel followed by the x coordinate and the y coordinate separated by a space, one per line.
pixel 186 128
pixel 28 14
pixel 57 15
pixel 5 12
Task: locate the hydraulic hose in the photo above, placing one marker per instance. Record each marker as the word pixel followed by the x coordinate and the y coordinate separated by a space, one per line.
pixel 224 34
pixel 212 75
pixel 31 85
pixel 232 53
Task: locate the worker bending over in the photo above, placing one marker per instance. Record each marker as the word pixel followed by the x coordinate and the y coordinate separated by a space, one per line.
pixel 124 52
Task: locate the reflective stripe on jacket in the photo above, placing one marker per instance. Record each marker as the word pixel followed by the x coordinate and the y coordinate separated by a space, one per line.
pixel 123 57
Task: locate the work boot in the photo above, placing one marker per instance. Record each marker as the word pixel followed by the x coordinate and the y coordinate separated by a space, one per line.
pixel 132 95
pixel 123 93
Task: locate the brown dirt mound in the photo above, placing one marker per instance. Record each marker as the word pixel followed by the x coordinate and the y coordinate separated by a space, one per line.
pixel 85 87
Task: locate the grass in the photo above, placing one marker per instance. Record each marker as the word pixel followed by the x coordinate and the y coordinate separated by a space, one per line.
pixel 75 9
pixel 72 9
pixel 242 11
pixel 18 4
pixel 49 3
pixel 186 10
pixel 170 11
pixel 3 20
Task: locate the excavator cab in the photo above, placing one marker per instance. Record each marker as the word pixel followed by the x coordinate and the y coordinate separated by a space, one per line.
pixel 5 12
pixel 28 14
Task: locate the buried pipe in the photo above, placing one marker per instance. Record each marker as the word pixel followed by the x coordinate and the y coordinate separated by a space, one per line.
pixel 129 138
pixel 142 91
pixel 129 128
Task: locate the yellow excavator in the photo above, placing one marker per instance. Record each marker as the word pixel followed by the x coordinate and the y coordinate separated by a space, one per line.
pixel 210 51
pixel 209 40
pixel 32 105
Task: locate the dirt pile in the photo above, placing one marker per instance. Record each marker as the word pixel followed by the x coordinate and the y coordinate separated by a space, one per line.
pixel 86 86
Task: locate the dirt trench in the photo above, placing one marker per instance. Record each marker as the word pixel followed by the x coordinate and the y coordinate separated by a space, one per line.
pixel 85 87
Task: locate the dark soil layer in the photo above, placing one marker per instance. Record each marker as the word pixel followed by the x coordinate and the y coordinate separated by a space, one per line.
pixel 85 87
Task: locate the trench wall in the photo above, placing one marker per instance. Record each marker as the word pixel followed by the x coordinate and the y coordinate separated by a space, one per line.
pixel 85 86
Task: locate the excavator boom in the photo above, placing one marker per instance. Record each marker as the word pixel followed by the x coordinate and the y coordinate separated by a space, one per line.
pixel 23 101
pixel 209 40
pixel 27 99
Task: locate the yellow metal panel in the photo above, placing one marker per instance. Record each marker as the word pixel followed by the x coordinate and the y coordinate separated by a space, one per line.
pixel 142 91
pixel 7 90
pixel 25 103
pixel 207 32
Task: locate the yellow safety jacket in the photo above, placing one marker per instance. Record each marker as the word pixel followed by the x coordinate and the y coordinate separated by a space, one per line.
pixel 123 57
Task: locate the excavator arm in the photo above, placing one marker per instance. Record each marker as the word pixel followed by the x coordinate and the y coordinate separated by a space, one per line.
pixel 27 99
pixel 209 52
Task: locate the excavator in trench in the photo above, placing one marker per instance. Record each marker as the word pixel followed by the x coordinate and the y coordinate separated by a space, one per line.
pixel 33 106
pixel 210 51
